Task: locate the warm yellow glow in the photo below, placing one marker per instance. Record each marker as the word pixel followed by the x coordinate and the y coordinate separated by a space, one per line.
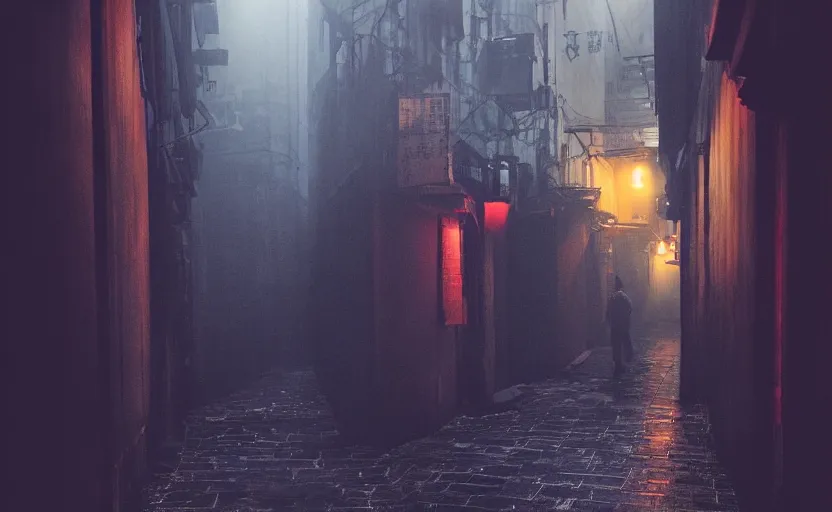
pixel 662 250
pixel 638 177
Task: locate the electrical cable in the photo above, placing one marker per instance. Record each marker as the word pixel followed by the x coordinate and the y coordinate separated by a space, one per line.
pixel 614 29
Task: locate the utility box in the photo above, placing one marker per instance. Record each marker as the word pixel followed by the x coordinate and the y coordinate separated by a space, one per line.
pixel 508 69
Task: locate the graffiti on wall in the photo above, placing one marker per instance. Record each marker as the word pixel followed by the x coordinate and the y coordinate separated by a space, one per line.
pixel 423 143
pixel 594 42
pixel 572 46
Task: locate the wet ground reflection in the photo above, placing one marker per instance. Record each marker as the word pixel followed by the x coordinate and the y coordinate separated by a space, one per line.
pixel 580 442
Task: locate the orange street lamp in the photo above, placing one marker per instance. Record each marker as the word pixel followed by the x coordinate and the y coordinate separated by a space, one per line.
pixel 638 178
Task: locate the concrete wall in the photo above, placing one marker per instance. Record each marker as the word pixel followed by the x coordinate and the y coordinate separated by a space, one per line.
pixel 581 76
pixel 77 274
pixel 634 26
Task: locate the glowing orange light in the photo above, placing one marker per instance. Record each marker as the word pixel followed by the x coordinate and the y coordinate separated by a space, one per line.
pixel 662 250
pixel 496 215
pixel 638 177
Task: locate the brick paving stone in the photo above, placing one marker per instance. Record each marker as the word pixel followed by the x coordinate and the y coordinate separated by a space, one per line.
pixel 579 442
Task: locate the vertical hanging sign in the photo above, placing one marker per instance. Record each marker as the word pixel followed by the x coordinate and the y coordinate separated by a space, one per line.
pixel 424 156
pixel 453 299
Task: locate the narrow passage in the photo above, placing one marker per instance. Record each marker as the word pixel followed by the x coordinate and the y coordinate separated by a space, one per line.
pixel 579 442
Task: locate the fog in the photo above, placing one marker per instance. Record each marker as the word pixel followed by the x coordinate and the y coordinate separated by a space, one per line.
pixel 249 218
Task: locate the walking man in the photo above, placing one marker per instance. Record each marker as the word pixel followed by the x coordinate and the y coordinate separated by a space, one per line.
pixel 619 309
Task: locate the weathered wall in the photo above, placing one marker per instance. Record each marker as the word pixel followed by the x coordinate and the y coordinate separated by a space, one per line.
pixel 727 272
pixel 415 351
pixel 549 299
pixel 125 153
pixel 598 272
pixel 751 200
pixel 603 174
pixel 580 67
pixel 679 33
pixel 76 270
pixel 340 318
pixel 573 245
pixel 634 24
pixel 533 295
pixel 731 291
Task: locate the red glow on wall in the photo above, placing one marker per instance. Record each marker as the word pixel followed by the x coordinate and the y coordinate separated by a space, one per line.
pixel 496 215
pixel 453 302
pixel 779 282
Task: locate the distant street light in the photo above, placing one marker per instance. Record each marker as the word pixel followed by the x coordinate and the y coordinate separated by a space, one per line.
pixel 638 177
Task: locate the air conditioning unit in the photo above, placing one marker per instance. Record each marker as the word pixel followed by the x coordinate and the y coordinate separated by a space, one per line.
pixel 506 72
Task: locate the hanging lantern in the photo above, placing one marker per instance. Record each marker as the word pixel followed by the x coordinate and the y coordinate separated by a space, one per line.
pixel 662 249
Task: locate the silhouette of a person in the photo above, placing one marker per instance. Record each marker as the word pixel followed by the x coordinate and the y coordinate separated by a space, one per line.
pixel 619 309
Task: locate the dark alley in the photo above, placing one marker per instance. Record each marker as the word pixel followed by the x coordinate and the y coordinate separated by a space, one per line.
pixel 404 255
pixel 578 442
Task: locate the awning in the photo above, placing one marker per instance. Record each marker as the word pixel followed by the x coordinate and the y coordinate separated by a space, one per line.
pixel 739 36
pixel 725 28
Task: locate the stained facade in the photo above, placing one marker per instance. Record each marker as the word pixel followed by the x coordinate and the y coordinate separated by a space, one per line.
pixel 738 173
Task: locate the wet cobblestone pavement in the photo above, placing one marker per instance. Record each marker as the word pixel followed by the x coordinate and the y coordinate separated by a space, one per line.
pixel 580 442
